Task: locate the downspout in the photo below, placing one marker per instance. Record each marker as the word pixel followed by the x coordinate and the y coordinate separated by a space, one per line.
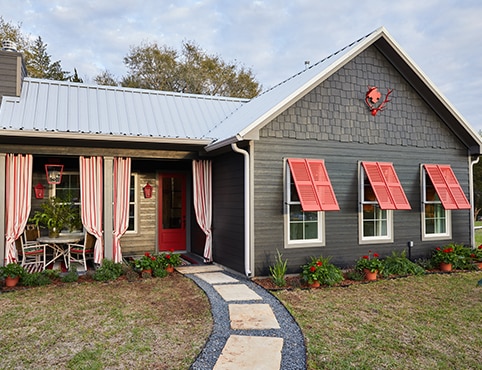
pixel 247 232
pixel 472 204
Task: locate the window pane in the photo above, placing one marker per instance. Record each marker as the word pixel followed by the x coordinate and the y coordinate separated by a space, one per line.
pixel 303 225
pixel 435 219
pixel 375 222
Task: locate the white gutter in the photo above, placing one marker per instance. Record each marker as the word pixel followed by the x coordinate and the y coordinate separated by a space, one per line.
pixel 247 231
pixel 472 204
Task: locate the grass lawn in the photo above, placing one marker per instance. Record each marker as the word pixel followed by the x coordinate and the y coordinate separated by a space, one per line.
pixel 424 322
pixel 146 324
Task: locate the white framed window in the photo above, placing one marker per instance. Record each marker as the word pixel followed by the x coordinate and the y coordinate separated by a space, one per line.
pixel 133 205
pixel 375 223
pixel 435 219
pixel 302 229
pixel 69 189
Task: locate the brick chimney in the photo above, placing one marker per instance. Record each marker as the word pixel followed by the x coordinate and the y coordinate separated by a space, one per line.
pixel 12 70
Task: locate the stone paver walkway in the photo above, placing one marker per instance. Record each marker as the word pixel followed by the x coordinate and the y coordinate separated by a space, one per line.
pixel 252 329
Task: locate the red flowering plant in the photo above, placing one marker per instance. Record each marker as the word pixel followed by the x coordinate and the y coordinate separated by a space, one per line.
pixel 446 254
pixel 476 254
pixel 170 259
pixel 320 269
pixel 371 262
pixel 146 262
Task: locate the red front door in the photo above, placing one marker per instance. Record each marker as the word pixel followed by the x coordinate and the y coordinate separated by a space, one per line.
pixel 172 212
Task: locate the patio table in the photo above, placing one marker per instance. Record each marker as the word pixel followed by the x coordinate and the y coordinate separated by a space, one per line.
pixel 58 245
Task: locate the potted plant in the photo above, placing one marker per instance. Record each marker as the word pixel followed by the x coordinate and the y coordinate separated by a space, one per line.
pixel 145 263
pixel 370 265
pixel 445 257
pixel 12 272
pixel 320 271
pixel 54 215
pixel 170 260
pixel 476 256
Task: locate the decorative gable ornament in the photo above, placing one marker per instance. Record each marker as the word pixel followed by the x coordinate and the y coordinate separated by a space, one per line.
pixel 372 98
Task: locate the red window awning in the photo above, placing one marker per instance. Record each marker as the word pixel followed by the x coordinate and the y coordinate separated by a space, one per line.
pixel 385 185
pixel 313 185
pixel 447 187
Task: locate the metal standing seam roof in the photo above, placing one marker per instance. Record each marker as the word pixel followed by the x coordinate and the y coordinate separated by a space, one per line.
pixel 47 106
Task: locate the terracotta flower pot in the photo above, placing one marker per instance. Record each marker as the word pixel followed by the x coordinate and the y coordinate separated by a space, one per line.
pixel 170 269
pixel 11 281
pixel 370 276
pixel 478 264
pixel 146 272
pixel 315 284
pixel 445 267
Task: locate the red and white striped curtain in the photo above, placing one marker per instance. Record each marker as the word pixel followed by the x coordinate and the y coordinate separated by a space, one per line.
pixel 91 191
pixel 202 188
pixel 18 190
pixel 122 180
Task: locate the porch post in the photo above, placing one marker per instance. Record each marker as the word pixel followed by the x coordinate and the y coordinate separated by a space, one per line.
pixel 108 212
pixel 2 207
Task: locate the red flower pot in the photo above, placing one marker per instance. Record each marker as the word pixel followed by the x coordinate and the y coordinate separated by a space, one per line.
pixel 445 267
pixel 370 276
pixel 11 281
pixel 315 284
pixel 170 269
pixel 479 265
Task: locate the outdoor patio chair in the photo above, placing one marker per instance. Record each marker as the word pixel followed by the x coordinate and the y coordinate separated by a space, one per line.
pixel 31 234
pixel 80 253
pixel 33 255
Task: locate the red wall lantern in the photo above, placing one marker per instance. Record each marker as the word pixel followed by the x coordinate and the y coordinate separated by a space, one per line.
pixel 147 191
pixel 54 173
pixel 39 191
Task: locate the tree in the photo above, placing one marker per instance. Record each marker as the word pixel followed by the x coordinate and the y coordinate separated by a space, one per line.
pixel 192 71
pixel 37 60
pixel 39 65
pixel 75 77
pixel 106 78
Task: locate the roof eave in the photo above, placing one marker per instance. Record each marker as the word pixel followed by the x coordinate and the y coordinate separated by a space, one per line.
pixel 84 136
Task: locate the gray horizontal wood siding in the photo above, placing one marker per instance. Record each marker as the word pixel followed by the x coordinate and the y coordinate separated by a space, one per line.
pixel 228 211
pixel 333 123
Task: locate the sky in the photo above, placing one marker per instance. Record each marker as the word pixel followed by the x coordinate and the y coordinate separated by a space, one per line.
pixel 273 38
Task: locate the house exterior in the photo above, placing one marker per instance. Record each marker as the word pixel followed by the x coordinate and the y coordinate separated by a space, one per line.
pixel 358 152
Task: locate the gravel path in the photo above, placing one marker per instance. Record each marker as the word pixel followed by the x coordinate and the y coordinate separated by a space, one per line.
pixel 293 352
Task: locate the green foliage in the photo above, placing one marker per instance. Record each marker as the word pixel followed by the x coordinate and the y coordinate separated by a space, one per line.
pixel 36 279
pixel 322 270
pixel 146 262
pixel 12 270
pixel 399 264
pixel 370 262
pixel 192 70
pixel 40 65
pixel 159 272
pixel 278 271
pixel 71 276
pixel 56 213
pixel 108 271
pixel 446 254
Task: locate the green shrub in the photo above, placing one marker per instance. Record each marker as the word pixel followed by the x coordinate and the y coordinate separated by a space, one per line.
pixel 278 271
pixel 35 279
pixel 108 271
pixel 399 264
pixel 71 276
